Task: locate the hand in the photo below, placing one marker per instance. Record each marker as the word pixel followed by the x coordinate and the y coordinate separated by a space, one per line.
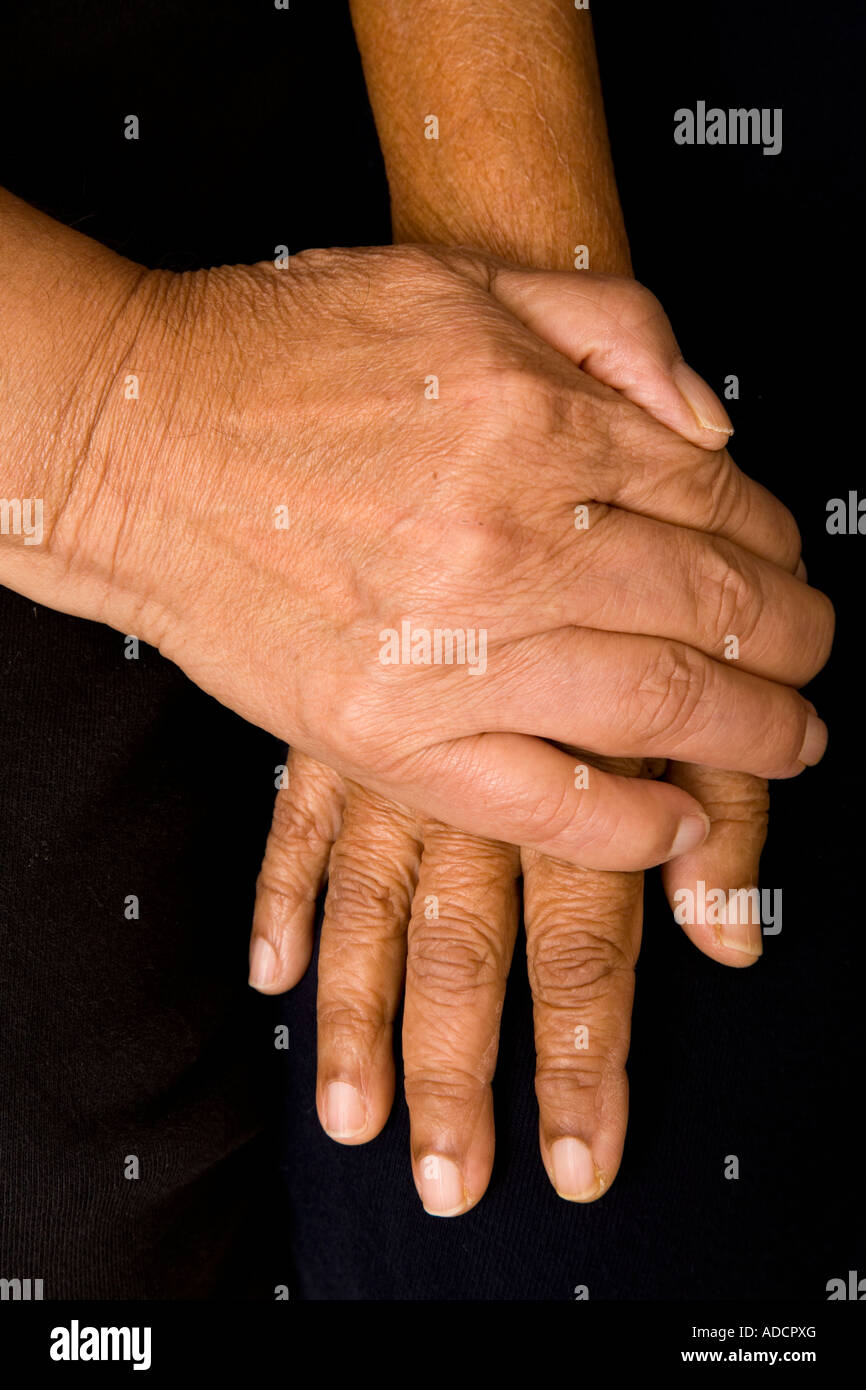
pixel 458 895
pixel 583 934
pixel 305 388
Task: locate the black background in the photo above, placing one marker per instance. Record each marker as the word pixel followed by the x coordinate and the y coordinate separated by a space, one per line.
pixel 120 777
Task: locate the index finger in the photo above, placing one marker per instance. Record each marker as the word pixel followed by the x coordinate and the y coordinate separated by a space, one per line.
pixel 677 482
pixel 646 467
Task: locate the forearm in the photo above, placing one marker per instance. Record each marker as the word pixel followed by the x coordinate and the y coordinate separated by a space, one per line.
pixel 522 163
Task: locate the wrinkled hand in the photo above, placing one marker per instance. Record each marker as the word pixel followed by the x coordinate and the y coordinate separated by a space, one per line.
pixel 305 389
pixel 389 868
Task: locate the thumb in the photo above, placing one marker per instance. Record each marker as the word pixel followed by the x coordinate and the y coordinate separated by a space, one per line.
pixel 523 791
pixel 617 331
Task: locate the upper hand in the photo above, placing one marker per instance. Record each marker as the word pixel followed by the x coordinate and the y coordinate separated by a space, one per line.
pixel 305 389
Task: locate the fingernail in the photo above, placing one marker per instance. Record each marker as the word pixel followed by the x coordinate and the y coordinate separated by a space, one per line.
pixel 574 1175
pixel 801 573
pixel 703 402
pixel 442 1190
pixel 263 963
pixel 345 1112
pixel 745 937
pixel 815 742
pixel 691 832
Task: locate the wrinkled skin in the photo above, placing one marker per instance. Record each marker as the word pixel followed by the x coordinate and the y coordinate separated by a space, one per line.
pixel 305 388
pixel 389 868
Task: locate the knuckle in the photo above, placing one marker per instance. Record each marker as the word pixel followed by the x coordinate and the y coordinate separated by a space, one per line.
pixel 554 815
pixel 669 692
pixel 458 959
pixel 557 1079
pixel 734 798
pixel 522 389
pixel 727 596
pixel 353 1011
pixel 474 864
pixel 282 879
pixel 574 966
pixel 359 895
pixel 298 825
pixel 476 547
pixel 360 720
pixel 518 404
pixel 453 1085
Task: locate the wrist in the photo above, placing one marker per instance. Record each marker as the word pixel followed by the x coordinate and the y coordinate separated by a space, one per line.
pixel 124 458
pixel 169 468
pixel 543 235
pixel 124 406
pixel 68 314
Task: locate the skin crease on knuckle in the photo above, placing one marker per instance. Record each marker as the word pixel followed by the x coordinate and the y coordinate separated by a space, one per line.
pixel 669 695
pixel 460 958
pixel 546 820
pixel 734 583
pixel 283 879
pixel 351 1019
pixel 452 1098
pixel 574 965
pixel 729 597
pixel 297 825
pixel 736 799
pixel 363 903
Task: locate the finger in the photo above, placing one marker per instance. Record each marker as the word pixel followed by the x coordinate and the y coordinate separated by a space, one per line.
pixel 729 859
pixel 524 791
pixel 305 823
pixel 647 469
pixel 461 939
pixel 783 629
pixel 582 939
pixel 631 695
pixel 665 479
pixel 373 870
pixel 617 331
pixel 713 891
